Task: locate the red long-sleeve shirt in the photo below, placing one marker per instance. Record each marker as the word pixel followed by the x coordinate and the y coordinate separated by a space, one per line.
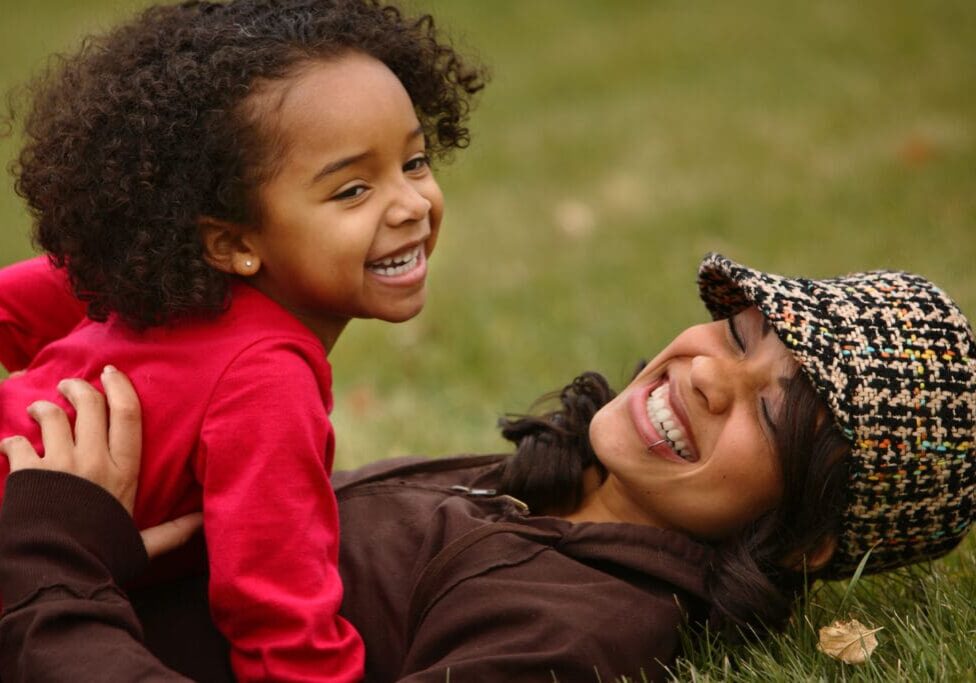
pixel 235 413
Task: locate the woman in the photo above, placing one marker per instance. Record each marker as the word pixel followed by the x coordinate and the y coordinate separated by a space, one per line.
pixel 814 426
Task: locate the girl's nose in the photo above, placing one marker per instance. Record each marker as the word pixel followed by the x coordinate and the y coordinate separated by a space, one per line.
pixel 712 379
pixel 409 205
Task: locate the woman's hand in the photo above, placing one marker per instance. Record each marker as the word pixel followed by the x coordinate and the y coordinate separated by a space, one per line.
pixel 105 448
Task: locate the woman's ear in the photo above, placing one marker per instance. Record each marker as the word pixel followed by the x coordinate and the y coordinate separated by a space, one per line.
pixel 814 560
pixel 227 247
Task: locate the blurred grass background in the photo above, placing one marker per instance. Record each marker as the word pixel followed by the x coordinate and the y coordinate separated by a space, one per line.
pixel 618 142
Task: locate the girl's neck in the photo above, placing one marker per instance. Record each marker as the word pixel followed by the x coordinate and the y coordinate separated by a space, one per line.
pixel 326 329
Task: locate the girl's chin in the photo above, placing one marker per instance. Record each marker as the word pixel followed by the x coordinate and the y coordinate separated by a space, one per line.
pixel 402 316
pixel 403 309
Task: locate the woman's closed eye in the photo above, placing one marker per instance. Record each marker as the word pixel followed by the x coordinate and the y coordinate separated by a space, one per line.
pixel 734 332
pixel 764 409
pixel 767 415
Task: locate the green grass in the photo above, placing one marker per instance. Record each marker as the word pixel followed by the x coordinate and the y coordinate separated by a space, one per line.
pixel 618 143
pixel 927 614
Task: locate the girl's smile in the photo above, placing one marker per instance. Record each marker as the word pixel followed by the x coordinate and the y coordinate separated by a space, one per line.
pixel 405 267
pixel 351 216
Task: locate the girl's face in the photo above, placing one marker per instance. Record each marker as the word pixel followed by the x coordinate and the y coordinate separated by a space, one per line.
pixel 349 220
pixel 689 444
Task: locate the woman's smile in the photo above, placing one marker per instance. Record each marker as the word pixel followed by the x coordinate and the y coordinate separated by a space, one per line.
pixel 662 421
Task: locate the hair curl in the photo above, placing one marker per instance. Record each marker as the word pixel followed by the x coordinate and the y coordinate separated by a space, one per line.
pixel 750 583
pixel 144 130
pixel 554 449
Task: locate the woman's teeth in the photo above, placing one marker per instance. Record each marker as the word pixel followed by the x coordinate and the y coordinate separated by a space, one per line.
pixel 397 265
pixel 659 412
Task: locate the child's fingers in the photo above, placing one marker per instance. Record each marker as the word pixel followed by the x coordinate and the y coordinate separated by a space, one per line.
pixel 125 422
pixel 91 422
pixel 55 434
pixel 20 453
pixel 170 535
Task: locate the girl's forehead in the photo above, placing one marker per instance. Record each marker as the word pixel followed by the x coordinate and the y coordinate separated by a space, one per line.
pixel 343 89
pixel 330 110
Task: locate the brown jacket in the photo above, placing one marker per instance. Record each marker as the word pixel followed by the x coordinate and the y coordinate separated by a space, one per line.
pixel 441 575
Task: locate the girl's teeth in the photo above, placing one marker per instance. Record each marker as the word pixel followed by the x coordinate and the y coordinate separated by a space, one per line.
pixel 663 420
pixel 396 265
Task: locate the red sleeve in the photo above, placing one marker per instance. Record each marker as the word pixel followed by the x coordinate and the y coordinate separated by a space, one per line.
pixel 36 307
pixel 271 520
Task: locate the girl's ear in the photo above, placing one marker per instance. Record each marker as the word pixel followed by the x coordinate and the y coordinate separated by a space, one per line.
pixel 227 247
pixel 816 559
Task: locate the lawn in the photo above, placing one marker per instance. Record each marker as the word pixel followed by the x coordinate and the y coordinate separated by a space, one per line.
pixel 618 142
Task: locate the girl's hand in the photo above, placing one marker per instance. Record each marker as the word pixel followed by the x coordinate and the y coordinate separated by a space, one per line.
pixel 105 448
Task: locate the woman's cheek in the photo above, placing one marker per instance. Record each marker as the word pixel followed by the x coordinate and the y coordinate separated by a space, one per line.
pixel 608 431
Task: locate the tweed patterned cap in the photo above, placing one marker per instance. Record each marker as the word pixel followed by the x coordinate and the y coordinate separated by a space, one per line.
pixel 893 357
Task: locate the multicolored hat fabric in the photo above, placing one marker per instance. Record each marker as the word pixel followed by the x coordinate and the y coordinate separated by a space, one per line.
pixel 893 357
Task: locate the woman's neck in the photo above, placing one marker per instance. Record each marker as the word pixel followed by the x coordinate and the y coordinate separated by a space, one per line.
pixel 605 501
pixel 591 508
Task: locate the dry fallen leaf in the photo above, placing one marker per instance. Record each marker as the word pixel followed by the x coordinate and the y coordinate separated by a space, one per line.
pixel 849 641
pixel 917 150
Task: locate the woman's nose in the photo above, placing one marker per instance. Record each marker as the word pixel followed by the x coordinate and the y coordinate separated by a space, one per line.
pixel 713 381
pixel 409 205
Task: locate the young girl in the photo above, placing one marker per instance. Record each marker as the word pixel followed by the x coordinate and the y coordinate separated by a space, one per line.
pixel 226 185
pixel 814 425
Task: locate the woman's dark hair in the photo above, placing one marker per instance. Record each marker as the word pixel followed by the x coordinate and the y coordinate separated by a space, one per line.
pixel 546 471
pixel 159 122
pixel 756 574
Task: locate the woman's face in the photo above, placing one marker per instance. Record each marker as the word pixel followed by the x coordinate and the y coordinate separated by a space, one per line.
pixel 689 444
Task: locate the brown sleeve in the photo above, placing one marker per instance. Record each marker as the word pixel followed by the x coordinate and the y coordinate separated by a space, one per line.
pixel 65 544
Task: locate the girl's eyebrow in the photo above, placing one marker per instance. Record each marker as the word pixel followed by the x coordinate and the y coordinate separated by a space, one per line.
pixel 416 132
pixel 340 164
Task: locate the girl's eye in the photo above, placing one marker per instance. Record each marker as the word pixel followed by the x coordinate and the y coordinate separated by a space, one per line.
pixel 734 331
pixel 350 193
pixel 417 163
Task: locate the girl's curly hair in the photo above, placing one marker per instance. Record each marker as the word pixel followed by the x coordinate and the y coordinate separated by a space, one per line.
pixel 153 125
